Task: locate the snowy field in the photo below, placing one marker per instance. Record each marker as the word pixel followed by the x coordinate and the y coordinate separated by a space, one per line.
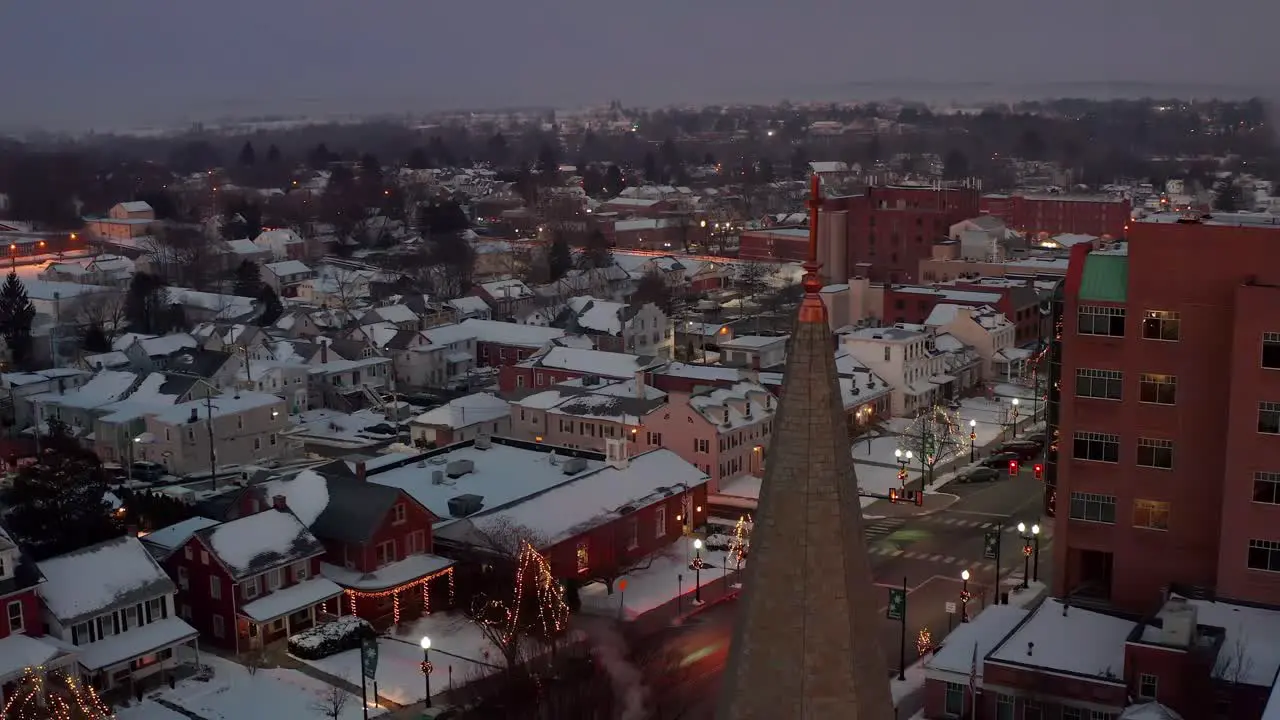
pixel 460 653
pixel 234 694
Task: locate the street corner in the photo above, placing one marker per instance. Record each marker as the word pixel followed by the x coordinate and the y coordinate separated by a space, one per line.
pixel 932 503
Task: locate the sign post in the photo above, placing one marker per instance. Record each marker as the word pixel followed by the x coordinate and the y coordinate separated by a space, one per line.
pixel 368 670
pixel 951 613
pixel 897 610
pixel 622 596
pixel 991 551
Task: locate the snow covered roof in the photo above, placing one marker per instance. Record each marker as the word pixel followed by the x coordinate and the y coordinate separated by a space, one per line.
pixel 111 574
pixel 1255 630
pixel 594 362
pixel 507 289
pixel 284 236
pixel 20 651
pixel 754 342
pixel 505 472
pixel 167 539
pixel 136 206
pixel 243 246
pixel 466 411
pixel 712 373
pixel 596 498
pixel 601 316
pixel 984 630
pixel 156 392
pixel 256 543
pixel 380 333
pixel 222 405
pixel 1067 240
pixel 19 379
pixel 493 331
pixel 733 407
pixel 1155 711
pixel 388 576
pixel 226 306
pixel 284 601
pixel 469 304
pixel 167 344
pixel 106 386
pixel 1077 641
pixel 138 641
pixel 288 267
pixel 396 313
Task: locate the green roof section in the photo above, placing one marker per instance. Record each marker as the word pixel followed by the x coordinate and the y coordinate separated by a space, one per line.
pixel 1105 278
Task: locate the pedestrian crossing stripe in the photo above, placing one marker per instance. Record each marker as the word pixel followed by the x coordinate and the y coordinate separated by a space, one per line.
pixel 886 527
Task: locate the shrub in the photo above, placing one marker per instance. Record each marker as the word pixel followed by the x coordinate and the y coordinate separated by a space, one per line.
pixel 331 638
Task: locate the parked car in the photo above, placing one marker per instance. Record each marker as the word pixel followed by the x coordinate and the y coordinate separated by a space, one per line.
pixel 978 474
pixel 1035 437
pixel 999 459
pixel 147 471
pixel 1023 449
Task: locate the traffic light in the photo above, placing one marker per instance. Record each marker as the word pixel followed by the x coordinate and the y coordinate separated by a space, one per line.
pixel 893 495
pixel 902 476
pixel 920 497
pixel 1039 471
pixel 1013 468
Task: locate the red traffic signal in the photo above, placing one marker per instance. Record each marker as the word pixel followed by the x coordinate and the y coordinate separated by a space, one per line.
pixel 1013 467
pixel 1039 471
pixel 920 497
pixel 893 495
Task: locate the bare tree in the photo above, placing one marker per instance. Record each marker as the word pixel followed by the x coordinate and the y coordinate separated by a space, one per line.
pixel 344 288
pixel 752 280
pixel 104 309
pixel 933 438
pixel 332 702
pixel 1233 666
pixel 183 256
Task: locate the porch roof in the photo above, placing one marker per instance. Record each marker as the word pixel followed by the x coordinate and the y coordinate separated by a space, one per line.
pixel 291 599
pixel 19 652
pixel 134 643
pixel 414 567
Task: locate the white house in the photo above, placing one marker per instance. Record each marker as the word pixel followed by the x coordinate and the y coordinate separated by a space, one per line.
pixel 987 331
pixel 754 351
pixel 463 418
pixel 910 359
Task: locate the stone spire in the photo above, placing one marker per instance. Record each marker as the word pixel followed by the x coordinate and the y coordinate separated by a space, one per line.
pixel 807 642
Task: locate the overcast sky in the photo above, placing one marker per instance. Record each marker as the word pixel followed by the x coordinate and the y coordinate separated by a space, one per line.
pixel 78 63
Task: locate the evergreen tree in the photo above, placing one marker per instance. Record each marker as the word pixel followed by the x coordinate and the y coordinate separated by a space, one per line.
pixel 16 315
pixel 1227 198
pixel 146 304
pixel 272 308
pixel 319 157
pixel 613 181
pixel 559 257
pixel 596 253
pixel 248 279
pixel 650 168
pixel 955 166
pixel 498 150
pixel 273 155
pixel 652 288
pixel 95 340
pixel 56 504
pixel 418 159
pixel 248 157
pixel 548 164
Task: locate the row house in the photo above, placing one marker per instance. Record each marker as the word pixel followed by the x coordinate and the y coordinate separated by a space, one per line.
pixel 22 641
pixel 1019 300
pixel 508 298
pixel 607 282
pixel 558 364
pixel 695 338
pixel 79 407
pixel 119 426
pixel 114 604
pixel 725 432
pixel 230 337
pixel 587 413
pixel 674 273
pixel 464 418
pixel 636 207
pixel 247 582
pixel 664 234
pixel 347 384
pixel 989 333
pixel 401 317
pixel 17 390
pixel 924 368
pixel 229 429
pixel 282 244
pixel 286 276
pixel 756 352
pixel 619 327
pixel 641 505
pixel 470 306
pixel 103 270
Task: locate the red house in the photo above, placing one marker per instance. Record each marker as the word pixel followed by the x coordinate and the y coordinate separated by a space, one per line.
pixel 22 628
pixel 564 363
pixel 247 582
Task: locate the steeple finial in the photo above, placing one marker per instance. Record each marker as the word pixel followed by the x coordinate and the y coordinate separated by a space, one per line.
pixel 811 308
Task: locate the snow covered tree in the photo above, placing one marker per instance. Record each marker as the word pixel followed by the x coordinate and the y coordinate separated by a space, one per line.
pixel 16 315
pixel 56 504
pixel 248 280
pixel 559 257
pixel 272 307
pixel 934 437
pixel 596 253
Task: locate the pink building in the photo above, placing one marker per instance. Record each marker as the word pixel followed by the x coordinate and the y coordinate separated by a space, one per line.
pixel 724 431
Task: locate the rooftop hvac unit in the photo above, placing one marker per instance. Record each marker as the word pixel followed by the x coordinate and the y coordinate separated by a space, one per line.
pixel 573 466
pixel 437 477
pixel 458 468
pixel 483 442
pixel 465 505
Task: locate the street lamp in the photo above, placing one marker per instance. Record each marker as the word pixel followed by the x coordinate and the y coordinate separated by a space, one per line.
pixel 1015 416
pixel 1027 551
pixel 964 596
pixel 973 439
pixel 697 571
pixel 1035 564
pixel 425 642
pixel 904 459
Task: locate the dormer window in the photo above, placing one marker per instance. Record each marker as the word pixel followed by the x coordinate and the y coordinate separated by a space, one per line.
pixel 6 565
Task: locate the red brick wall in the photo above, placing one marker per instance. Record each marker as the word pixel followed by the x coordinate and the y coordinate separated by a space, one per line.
pixel 892 229
pixel 1055 215
pixel 365 556
pixel 1052 685
pixel 764 245
pixel 489 354
pixel 535 378
pixel 196 596
pixel 32 624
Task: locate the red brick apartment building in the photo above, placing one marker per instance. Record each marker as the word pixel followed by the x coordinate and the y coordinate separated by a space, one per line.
pixel 1098 215
pixel 1168 408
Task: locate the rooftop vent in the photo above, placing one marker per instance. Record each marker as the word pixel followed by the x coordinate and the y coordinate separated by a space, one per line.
pixel 465 505
pixel 437 477
pixel 483 442
pixel 458 468
pixel 438 460
pixel 573 466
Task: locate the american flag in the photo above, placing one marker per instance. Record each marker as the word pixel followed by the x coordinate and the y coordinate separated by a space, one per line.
pixel 973 683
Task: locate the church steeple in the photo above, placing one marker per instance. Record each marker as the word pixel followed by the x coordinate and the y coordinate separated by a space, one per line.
pixel 807 642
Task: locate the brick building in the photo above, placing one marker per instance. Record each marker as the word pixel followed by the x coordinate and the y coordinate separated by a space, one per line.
pixel 1100 215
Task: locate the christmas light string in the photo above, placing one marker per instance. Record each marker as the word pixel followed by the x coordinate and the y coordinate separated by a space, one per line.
pixel 78 704
pixel 553 613
pixel 423 582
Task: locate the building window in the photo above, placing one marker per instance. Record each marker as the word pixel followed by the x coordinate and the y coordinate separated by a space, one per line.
pixel 1271 351
pixel 633 534
pixel 300 571
pixel 1158 389
pixel 1161 325
pixel 584 558
pixel 1071 713
pixel 1269 418
pixel 275 579
pixel 417 542
pixel 660 521
pixel 1093 508
pixel 701 446
pixel 249 588
pixel 257 443
pixel 1031 710
pixel 1098 447
pixel 16 623
pixel 1266 488
pixel 385 552
pixel 1004 707
pixel 1264 555
pixel 1151 514
pixel 398 514
pixel 188 552
pixel 218 629
pixel 215 587
pixel 1147 685
pixel 655 438
pixel 1100 320
pixel 184 581
pixel 953 704
pixel 1101 384
pixel 1154 453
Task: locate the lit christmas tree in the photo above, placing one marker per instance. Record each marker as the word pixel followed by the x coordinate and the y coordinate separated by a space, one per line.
pixel 740 542
pixel 924 642
pixel 535 608
pixel 935 436
pixel 53 696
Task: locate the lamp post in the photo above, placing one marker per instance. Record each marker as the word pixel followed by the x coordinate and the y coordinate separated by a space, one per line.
pixel 964 596
pixel 973 439
pixel 904 459
pixel 1015 417
pixel 1035 563
pixel 1026 552
pixel 425 642
pixel 697 571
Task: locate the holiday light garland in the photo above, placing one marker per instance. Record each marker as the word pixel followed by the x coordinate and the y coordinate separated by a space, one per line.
pixel 738 543
pixel 38 698
pixel 924 641
pixel 423 582
pixel 553 614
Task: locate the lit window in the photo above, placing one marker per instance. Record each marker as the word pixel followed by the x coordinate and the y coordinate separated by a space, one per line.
pixel 1158 389
pixel 1161 325
pixel 584 560
pixel 1151 514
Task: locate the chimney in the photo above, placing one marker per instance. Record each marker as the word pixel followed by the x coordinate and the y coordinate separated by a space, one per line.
pixel 360 471
pixel 324 353
pixel 195 415
pixel 639 384
pixel 278 502
pixel 1030 648
pixel 616 453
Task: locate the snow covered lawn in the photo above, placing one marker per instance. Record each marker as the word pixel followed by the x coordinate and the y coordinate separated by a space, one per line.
pixel 233 694
pixel 652 587
pixel 914 682
pixel 460 653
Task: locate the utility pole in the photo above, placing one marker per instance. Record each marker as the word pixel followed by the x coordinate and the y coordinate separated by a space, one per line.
pixel 213 458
